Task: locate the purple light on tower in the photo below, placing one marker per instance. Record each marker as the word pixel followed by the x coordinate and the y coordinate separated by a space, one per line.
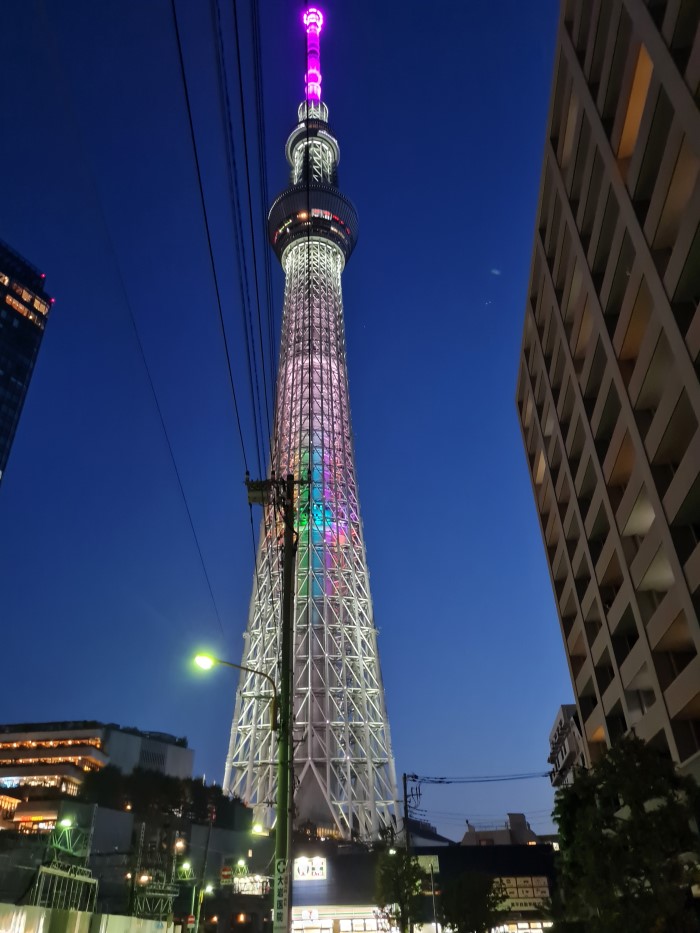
pixel 313 20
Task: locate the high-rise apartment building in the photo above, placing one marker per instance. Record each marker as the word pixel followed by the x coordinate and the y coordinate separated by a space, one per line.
pixel 345 781
pixel 24 307
pixel 608 391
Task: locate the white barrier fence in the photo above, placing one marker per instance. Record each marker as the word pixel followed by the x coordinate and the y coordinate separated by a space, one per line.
pixel 27 919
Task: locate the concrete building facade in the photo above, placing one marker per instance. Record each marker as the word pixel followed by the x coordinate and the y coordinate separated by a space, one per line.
pixel 45 760
pixel 566 749
pixel 608 392
pixel 515 831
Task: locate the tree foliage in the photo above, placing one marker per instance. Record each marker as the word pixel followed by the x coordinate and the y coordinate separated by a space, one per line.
pixel 628 847
pixel 470 903
pixel 151 792
pixel 398 888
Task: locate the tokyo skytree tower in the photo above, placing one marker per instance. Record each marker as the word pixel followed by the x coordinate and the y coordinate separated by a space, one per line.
pixel 344 775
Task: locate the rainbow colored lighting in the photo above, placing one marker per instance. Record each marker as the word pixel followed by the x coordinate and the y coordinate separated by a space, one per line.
pixel 313 20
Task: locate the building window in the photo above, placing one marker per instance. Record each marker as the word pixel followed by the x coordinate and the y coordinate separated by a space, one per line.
pixel 635 104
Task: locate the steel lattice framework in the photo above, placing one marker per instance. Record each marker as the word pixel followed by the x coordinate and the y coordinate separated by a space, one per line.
pixel 345 778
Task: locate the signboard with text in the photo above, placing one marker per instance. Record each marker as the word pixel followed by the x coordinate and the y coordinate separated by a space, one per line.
pixel 310 869
pixel 528 893
pixel 280 907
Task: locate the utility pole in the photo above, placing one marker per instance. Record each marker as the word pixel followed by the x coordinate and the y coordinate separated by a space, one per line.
pixel 259 492
pixel 285 790
pixel 202 879
pixel 407 832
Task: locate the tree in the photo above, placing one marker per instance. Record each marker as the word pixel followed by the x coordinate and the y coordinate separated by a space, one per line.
pixel 471 903
pixel 104 787
pixel 154 794
pixel 399 885
pixel 628 849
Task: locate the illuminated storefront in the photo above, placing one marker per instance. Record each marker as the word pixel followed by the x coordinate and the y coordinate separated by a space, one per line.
pixel 333 891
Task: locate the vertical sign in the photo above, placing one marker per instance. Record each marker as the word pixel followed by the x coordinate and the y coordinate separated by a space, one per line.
pixel 280 907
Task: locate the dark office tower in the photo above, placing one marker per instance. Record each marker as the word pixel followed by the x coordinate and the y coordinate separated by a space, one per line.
pixel 608 391
pixel 24 307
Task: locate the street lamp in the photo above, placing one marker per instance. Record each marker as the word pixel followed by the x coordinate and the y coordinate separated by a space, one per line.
pixel 207 661
pixel 285 760
pixel 204 889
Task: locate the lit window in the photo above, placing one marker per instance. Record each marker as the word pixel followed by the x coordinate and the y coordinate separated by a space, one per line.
pixel 635 104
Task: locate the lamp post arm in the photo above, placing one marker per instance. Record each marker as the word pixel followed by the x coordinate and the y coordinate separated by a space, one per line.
pixel 251 670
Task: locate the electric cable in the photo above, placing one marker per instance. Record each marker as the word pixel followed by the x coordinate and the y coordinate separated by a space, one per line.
pixel 231 163
pixel 239 240
pixel 479 779
pixel 250 209
pixel 139 343
pixel 264 194
pixel 183 79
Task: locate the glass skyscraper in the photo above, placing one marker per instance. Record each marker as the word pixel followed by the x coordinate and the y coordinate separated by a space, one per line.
pixel 24 308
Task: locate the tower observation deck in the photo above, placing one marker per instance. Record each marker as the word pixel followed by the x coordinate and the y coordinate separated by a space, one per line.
pixel 344 775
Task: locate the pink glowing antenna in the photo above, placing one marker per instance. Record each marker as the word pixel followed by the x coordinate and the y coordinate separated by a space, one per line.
pixel 313 20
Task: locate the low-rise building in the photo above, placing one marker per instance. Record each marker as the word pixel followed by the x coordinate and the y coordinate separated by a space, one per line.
pixel 40 760
pixel 423 833
pixel 333 888
pixel 515 832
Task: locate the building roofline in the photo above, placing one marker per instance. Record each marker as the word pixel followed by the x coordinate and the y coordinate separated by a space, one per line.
pixel 20 258
pixel 82 725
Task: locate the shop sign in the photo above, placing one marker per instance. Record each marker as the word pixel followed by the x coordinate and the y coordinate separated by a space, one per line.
pixel 310 869
pixel 524 893
pixel 280 909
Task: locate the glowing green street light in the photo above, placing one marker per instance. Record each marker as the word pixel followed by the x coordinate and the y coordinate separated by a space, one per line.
pixel 66 823
pixel 204 661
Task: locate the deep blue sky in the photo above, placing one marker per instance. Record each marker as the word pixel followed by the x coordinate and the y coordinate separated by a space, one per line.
pixel 440 110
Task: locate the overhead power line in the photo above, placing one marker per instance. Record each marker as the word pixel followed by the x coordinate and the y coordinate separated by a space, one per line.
pixel 127 302
pixel 183 79
pixel 250 206
pixel 238 237
pixel 478 779
pixel 262 175
pixel 240 241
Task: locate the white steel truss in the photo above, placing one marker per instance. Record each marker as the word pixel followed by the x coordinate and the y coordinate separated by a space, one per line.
pixel 345 778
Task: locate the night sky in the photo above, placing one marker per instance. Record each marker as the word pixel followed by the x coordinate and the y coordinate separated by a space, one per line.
pixel 440 110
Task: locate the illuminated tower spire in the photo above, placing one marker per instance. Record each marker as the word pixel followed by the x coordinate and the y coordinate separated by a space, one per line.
pixel 313 20
pixel 345 780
